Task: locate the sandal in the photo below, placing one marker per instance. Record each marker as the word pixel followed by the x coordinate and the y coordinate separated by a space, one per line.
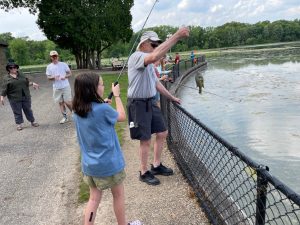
pixel 34 124
pixel 19 127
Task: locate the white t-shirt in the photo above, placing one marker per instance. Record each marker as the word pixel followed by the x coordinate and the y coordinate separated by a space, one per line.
pixel 59 69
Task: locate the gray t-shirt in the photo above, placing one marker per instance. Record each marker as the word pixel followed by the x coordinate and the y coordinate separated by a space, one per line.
pixel 142 80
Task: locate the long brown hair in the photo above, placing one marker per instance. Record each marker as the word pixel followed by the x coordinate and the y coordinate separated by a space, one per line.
pixel 85 87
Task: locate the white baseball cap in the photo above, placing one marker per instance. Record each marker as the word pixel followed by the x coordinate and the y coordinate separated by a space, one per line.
pixel 53 53
pixel 149 35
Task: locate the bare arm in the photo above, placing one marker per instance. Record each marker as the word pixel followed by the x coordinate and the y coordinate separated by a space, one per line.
pixel 50 77
pixel 119 105
pixel 2 99
pixel 68 74
pixel 162 49
pixel 3 93
pixel 161 89
pixel 34 85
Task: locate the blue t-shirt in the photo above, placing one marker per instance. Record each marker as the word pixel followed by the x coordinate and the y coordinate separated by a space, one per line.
pixel 101 154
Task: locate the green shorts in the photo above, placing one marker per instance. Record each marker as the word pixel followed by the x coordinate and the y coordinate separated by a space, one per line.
pixel 103 183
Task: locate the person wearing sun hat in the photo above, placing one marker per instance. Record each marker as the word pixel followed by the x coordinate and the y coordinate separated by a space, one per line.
pixel 59 72
pixel 16 88
pixel 144 116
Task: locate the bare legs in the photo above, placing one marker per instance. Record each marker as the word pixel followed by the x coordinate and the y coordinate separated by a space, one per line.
pixel 62 106
pixel 144 152
pixel 94 201
pixel 158 147
pixel 92 205
pixel 119 203
pixel 69 105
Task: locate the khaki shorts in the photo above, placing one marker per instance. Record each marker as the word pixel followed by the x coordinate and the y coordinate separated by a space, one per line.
pixel 62 95
pixel 103 183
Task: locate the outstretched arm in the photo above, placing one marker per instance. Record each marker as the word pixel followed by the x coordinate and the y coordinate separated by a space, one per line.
pixel 166 93
pixel 162 49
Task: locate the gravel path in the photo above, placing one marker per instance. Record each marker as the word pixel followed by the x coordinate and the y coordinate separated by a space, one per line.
pixel 38 166
pixel 39 175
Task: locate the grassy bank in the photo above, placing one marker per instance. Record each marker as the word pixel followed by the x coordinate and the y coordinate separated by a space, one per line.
pixel 120 127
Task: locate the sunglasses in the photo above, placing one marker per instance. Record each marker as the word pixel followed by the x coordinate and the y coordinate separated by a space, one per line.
pixel 12 67
pixel 54 56
pixel 154 44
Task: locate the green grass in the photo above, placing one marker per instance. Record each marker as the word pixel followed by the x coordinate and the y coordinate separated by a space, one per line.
pixel 108 79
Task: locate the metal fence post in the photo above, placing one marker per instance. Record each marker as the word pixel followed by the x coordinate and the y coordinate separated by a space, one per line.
pixel 261 198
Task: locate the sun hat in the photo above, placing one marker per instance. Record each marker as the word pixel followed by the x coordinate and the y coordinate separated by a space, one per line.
pixel 149 35
pixel 11 63
pixel 53 53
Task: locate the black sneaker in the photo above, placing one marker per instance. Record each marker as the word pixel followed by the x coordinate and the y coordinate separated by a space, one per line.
pixel 161 170
pixel 149 178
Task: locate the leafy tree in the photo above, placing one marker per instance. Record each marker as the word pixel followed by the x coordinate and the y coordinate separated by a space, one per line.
pixel 19 51
pixel 6 37
pixel 10 4
pixel 86 27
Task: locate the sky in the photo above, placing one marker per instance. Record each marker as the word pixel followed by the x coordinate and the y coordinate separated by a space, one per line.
pixel 202 13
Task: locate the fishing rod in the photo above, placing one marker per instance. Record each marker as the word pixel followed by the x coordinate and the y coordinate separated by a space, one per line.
pixel 208 92
pixel 117 81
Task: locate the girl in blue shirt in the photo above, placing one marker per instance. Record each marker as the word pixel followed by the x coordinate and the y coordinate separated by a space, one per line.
pixel 102 160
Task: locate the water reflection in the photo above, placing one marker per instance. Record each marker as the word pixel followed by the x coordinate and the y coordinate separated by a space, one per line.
pixel 254 103
pixel 238 60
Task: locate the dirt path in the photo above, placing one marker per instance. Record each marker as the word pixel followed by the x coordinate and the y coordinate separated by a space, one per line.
pixel 38 166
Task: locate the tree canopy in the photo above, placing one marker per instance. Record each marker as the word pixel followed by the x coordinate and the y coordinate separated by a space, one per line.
pixel 10 4
pixel 85 27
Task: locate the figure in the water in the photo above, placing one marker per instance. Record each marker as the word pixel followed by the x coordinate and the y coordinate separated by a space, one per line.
pixel 199 82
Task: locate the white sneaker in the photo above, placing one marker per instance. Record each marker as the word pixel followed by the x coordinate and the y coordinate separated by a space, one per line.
pixel 64 120
pixel 136 222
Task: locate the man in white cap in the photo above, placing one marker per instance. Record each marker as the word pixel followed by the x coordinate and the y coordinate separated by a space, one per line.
pixel 144 117
pixel 59 72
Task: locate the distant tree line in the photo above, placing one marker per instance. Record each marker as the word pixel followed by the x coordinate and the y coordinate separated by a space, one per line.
pixel 227 35
pixel 27 52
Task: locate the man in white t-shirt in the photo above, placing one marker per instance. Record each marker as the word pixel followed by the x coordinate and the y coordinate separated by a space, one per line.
pixel 59 72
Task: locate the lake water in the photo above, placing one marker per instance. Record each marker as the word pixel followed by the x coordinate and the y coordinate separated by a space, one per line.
pixel 252 100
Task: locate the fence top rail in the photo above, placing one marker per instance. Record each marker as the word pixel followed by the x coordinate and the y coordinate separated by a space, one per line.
pixel 290 194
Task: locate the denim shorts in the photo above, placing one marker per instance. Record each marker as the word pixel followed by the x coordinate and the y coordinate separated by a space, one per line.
pixel 103 183
pixel 144 118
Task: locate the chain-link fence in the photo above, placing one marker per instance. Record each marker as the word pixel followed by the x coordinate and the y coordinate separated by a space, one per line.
pixel 232 188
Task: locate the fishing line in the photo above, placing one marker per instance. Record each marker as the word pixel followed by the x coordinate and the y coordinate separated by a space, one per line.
pixel 124 65
pixel 208 92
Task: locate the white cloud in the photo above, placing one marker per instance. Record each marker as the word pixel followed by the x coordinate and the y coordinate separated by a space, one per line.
pixel 216 8
pixel 20 23
pixel 175 13
pixel 294 11
pixel 258 10
pixel 183 4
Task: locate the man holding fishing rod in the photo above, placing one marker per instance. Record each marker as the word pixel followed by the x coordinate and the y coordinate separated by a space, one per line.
pixel 144 117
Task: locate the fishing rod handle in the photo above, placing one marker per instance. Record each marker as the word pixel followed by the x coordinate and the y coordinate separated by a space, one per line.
pixel 111 93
